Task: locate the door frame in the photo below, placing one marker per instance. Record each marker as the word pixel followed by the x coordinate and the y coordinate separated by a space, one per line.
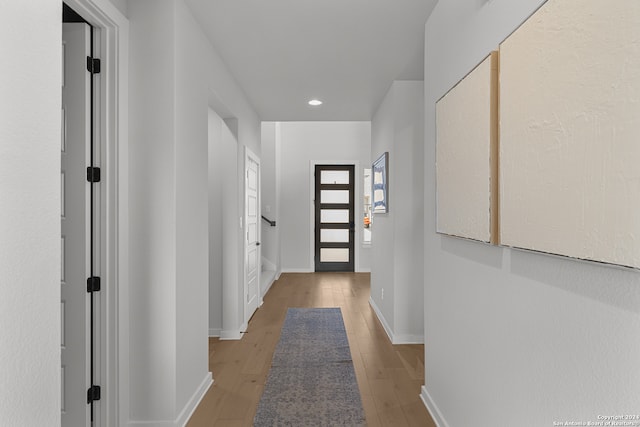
pixel 250 155
pixel 79 239
pixel 111 101
pixel 357 208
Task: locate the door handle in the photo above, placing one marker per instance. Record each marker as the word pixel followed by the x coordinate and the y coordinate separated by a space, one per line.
pixel 257 243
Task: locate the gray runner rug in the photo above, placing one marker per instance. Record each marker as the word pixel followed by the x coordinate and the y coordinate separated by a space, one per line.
pixel 312 381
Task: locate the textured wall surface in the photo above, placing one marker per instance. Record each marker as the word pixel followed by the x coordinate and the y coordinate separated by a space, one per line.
pixel 516 338
pixel 569 109
pixel 463 151
pixel 30 100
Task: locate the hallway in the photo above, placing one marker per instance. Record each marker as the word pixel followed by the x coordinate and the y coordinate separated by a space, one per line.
pixel 389 377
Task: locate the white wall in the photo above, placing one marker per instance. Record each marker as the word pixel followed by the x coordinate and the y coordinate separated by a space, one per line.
pixel 514 337
pixel 192 209
pixel 396 237
pixel 270 187
pixel 122 6
pixel 382 226
pixel 223 228
pixel 216 247
pixel 300 144
pixel 232 235
pixel 409 271
pixel 242 129
pixel 30 101
pixel 174 70
pixel 152 211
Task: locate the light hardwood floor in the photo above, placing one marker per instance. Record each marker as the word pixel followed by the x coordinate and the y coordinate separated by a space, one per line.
pixel 389 377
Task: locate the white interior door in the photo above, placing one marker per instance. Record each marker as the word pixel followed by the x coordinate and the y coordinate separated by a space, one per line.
pixel 75 211
pixel 252 244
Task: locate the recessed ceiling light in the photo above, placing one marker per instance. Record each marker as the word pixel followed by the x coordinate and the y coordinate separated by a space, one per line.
pixel 315 102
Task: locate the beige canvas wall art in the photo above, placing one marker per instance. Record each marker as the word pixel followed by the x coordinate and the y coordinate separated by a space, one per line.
pixel 466 156
pixel 570 131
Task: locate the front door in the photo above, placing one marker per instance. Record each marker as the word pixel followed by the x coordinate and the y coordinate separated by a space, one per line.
pixel 334 218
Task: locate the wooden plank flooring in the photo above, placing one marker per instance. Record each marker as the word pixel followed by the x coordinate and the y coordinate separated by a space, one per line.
pixel 389 377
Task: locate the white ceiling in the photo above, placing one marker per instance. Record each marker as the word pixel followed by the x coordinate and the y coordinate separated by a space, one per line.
pixel 344 52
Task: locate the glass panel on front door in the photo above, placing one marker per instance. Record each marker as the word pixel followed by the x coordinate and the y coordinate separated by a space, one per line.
pixel 334 215
pixel 334 196
pixel 332 235
pixel 334 255
pixel 334 177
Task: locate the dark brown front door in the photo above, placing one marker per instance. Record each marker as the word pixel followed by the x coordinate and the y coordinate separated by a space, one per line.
pixel 334 218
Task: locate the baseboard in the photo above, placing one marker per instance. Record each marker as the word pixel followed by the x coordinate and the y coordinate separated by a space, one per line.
pixel 231 335
pixel 382 320
pixel 297 270
pixel 431 406
pixel 215 332
pixel 268 264
pixel 234 335
pixel 269 284
pixel 267 278
pixel 395 339
pixel 278 273
pixel 408 339
pixel 193 403
pixel 156 423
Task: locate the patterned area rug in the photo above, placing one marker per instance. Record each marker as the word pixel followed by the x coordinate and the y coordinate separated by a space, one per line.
pixel 312 381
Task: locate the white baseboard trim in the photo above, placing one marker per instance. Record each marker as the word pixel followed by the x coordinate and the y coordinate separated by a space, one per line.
pixel 215 332
pixel 395 339
pixel 267 278
pixel 297 270
pixel 363 270
pixel 382 320
pixel 230 335
pixel 278 273
pixel 268 264
pixel 431 406
pixel 408 339
pixel 269 284
pixel 193 403
pixel 234 334
pixel 162 423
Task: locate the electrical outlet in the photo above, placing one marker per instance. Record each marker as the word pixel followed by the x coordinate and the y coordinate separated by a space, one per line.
pixel 382 295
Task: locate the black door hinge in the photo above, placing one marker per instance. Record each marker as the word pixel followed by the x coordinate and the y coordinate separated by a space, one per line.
pixel 93 65
pixel 93 393
pixel 93 174
pixel 93 284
